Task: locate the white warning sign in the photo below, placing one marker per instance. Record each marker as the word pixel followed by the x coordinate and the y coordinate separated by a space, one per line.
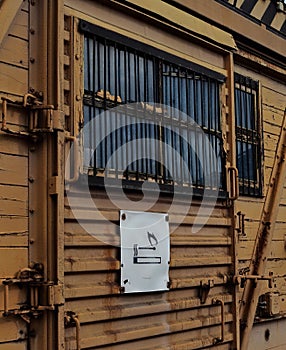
pixel 145 251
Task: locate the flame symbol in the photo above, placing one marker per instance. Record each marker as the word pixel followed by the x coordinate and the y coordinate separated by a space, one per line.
pixel 151 237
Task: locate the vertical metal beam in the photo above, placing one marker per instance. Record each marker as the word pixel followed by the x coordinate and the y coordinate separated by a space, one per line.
pixel 46 164
pixel 264 238
pixel 231 159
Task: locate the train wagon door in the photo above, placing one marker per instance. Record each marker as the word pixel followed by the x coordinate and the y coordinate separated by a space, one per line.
pixel 15 271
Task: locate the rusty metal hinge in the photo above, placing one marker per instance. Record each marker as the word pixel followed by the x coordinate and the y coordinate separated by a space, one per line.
pixel 242 278
pixel 42 118
pixel 41 295
pixel 204 289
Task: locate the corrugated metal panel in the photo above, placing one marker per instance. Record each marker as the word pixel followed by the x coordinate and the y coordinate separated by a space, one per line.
pixel 174 319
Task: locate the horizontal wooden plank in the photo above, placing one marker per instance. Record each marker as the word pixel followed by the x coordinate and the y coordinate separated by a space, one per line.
pixel 96 233
pixel 17 119
pixel 277 251
pixel 14 240
pixel 182 341
pixel 110 215
pixel 99 284
pixel 273 98
pixel 81 264
pixel 19 27
pixel 15 259
pixel 13 170
pixel 13 80
pixel 94 310
pixel 102 337
pixel 251 207
pixel 200 261
pixel 10 328
pixel 13 200
pixel 74 264
pixel 13 224
pixel 271 128
pixel 14 50
pixel 270 142
pixel 22 345
pixel 17 296
pixel 9 145
pixel 101 202
pixel 90 290
pixel 273 115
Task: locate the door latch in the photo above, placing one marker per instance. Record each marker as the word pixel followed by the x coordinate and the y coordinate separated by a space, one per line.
pixel 41 295
pixel 42 118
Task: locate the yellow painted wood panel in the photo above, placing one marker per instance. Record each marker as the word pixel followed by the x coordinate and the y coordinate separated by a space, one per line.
pixel 14 51
pixel 13 170
pixel 129 26
pixel 14 239
pixel 270 142
pixel 10 328
pixel 19 27
pixel 10 146
pixel 13 200
pixel 13 224
pixel 277 251
pixel 17 296
pixel 13 80
pixel 273 98
pixel 17 119
pixel 93 310
pixel 273 115
pixel 101 202
pixel 271 128
pixel 81 214
pixel 14 346
pixel 12 260
pixel 160 325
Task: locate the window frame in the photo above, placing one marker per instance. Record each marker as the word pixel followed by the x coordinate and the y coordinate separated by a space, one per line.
pixel 251 183
pixel 89 29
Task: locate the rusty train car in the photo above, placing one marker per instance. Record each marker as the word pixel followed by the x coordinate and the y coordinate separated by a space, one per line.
pixel 142 174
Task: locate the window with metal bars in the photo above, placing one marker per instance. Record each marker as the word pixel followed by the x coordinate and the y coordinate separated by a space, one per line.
pixel 248 136
pixel 129 83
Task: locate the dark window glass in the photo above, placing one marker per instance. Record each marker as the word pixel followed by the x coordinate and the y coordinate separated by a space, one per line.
pixel 248 136
pixel 118 75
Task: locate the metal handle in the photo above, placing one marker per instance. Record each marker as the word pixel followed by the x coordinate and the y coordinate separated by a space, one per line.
pixel 75 160
pixel 77 328
pixel 221 303
pixel 233 182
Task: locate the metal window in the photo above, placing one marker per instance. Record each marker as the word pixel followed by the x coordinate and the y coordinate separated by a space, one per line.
pixel 248 136
pixel 120 72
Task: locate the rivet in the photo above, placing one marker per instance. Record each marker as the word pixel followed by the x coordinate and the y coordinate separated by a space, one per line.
pixel 32 60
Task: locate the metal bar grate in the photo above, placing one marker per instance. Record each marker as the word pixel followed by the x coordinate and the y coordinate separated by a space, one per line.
pixel 117 75
pixel 248 136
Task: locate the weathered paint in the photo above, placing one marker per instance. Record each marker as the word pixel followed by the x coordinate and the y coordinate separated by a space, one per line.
pixel 31 214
